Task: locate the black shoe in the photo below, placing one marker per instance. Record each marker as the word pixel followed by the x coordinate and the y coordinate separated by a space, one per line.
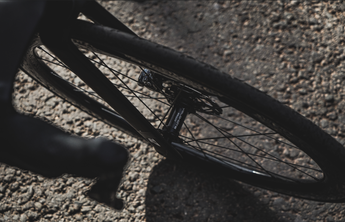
pixel 105 190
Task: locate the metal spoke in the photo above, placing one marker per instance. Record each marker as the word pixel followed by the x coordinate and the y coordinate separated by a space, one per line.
pixel 164 117
pixel 233 136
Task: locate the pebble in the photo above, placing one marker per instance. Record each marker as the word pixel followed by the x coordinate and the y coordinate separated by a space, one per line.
pixel 3 188
pixel 23 218
pixel 142 192
pixel 85 209
pixel 133 176
pixel 79 217
pixel 324 123
pixel 38 206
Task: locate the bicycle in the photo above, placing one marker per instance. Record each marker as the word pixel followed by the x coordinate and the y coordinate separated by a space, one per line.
pixel 251 137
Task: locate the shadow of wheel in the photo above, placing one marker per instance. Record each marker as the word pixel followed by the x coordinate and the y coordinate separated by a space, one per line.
pixel 178 193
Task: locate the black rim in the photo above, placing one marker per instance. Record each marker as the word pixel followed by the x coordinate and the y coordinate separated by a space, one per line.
pixel 230 138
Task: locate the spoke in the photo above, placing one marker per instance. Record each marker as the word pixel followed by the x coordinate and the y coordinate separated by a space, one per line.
pixel 223 107
pixel 164 117
pixel 232 136
pixel 145 97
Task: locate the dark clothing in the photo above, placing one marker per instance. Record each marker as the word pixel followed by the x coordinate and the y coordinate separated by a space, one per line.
pixel 31 143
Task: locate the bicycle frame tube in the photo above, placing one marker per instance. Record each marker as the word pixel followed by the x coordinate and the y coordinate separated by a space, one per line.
pixel 54 36
pixel 98 14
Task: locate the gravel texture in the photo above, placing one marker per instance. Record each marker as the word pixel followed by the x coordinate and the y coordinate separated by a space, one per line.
pixel 293 50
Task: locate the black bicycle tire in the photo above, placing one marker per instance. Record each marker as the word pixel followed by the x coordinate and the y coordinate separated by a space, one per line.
pixel 40 73
pixel 316 143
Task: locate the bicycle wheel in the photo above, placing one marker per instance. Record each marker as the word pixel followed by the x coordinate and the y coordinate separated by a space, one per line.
pixel 229 127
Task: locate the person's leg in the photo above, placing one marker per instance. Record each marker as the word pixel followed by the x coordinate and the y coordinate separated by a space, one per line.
pixel 18 22
pixel 31 143
pixel 37 146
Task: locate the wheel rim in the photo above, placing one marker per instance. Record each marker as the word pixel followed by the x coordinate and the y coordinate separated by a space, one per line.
pixel 231 139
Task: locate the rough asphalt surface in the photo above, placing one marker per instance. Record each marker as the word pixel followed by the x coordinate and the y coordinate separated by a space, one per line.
pixel 293 50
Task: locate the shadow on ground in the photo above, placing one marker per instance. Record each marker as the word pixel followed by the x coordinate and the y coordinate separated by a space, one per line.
pixel 178 193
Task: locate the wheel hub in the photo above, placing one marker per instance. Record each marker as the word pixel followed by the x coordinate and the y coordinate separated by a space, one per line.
pixel 191 99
